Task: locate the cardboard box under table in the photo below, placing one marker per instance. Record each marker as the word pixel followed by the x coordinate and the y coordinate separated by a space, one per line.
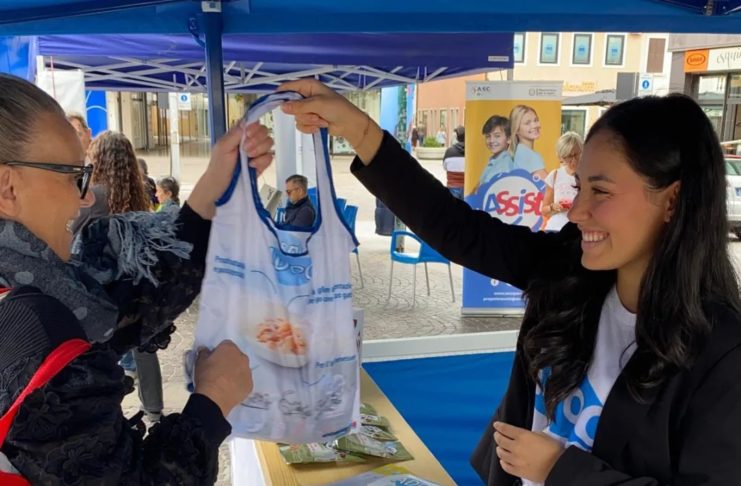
pixel 259 463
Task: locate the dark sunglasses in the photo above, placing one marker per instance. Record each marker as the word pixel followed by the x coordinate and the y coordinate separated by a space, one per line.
pixel 82 173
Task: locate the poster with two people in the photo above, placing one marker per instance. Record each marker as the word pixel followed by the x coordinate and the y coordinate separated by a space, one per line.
pixel 511 132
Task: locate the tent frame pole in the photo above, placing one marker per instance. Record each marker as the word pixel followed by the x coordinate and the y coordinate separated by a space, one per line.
pixel 213 28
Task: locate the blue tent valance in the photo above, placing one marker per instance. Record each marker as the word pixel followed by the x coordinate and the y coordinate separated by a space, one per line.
pixel 260 62
pixel 40 17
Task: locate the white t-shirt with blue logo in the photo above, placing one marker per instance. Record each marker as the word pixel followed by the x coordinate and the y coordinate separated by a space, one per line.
pixel 577 417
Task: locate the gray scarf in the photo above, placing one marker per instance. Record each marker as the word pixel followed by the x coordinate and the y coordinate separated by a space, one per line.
pixel 121 246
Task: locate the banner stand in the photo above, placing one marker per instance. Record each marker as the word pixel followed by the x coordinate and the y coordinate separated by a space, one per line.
pixel 511 132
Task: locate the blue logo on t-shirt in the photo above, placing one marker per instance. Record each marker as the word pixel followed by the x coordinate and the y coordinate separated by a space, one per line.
pixel 576 418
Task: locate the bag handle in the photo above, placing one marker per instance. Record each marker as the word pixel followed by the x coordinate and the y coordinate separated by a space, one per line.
pixel 269 103
pixel 55 362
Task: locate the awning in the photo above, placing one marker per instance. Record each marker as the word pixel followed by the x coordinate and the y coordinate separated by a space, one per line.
pixel 598 98
pixel 260 62
pixel 41 17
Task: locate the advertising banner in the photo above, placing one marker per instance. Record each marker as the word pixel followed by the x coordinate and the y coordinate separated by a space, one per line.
pixel 511 132
pixel 65 86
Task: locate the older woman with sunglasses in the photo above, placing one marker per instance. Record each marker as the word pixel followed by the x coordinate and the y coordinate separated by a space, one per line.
pixel 75 311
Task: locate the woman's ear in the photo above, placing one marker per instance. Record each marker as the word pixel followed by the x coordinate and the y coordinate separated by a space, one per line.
pixel 671 201
pixel 8 199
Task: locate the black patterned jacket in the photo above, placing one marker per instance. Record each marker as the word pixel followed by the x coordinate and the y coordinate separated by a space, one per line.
pixel 72 431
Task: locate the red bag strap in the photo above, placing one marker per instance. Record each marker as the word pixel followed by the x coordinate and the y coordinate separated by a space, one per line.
pixel 11 479
pixel 52 364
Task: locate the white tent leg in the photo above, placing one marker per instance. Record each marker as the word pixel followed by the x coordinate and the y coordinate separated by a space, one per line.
pixel 391 281
pixel 360 270
pixel 452 291
pixel 414 287
pixel 174 135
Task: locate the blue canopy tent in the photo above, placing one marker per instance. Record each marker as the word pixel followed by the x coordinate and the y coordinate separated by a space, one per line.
pixel 39 17
pixel 258 63
pixel 58 17
pixel 214 18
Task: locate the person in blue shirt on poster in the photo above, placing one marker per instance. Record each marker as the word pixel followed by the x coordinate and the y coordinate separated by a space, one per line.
pixel 525 130
pixel 496 132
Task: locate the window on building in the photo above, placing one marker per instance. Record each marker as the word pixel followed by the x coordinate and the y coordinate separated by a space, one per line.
pixel 656 50
pixel 574 121
pixel 734 88
pixel 582 53
pixel 423 122
pixel 549 48
pixel 614 50
pixel 715 115
pixel 518 47
pixel 711 94
pixel 711 88
pixel 444 118
pixel 733 114
pixel 455 120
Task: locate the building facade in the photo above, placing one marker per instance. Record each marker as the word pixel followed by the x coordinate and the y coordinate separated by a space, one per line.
pixel 585 62
pixel 708 68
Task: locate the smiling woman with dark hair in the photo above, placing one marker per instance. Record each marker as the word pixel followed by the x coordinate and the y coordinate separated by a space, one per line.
pixel 75 313
pixel 627 363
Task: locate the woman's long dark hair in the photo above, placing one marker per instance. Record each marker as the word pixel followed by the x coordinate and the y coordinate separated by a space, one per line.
pixel 665 139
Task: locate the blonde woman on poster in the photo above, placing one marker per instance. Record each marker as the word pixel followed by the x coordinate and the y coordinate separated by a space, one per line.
pixel 525 126
pixel 496 132
pixel 560 189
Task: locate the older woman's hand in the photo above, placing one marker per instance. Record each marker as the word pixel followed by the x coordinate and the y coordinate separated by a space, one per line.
pixel 323 108
pixel 224 155
pixel 223 375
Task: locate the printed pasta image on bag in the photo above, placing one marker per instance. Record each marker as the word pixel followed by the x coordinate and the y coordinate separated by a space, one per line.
pixel 284 296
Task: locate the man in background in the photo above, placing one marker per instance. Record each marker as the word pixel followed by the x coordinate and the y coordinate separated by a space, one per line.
pixel 300 210
pixel 454 163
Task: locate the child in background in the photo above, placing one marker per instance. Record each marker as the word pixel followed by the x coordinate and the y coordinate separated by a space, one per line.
pixel 560 188
pixel 496 132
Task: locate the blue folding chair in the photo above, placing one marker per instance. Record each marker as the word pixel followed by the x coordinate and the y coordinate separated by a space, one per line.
pixel 425 255
pixel 280 215
pixel 351 214
pixel 311 192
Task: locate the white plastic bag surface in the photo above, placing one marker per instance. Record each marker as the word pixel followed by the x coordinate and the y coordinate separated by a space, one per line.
pixel 284 296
